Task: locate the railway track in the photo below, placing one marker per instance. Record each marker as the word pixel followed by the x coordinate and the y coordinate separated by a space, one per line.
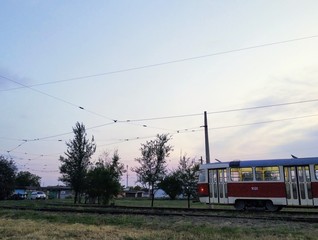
pixel 288 216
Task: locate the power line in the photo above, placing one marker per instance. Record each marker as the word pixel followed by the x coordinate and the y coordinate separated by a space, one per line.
pixel 169 62
pixel 263 122
pixel 264 106
pixel 223 111
pixel 151 136
pixel 52 136
pixel 155 65
pixel 164 117
pixel 67 133
pixel 176 116
pixel 56 98
pixel 17 147
pixel 199 129
pixel 189 130
pixel 72 104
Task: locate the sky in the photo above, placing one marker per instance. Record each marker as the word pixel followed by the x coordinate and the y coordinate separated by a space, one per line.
pixel 129 70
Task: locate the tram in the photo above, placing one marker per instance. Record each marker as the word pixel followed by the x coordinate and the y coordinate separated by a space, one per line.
pixel 268 184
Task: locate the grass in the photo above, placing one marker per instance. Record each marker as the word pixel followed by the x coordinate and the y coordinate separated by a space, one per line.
pixel 19 224
pixel 158 203
pixel 117 202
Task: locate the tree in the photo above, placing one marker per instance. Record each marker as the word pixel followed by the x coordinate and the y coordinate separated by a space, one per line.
pixel 7 177
pixel 172 185
pixel 188 170
pixel 76 163
pixel 103 180
pixel 25 179
pixel 117 168
pixel 136 188
pixel 153 162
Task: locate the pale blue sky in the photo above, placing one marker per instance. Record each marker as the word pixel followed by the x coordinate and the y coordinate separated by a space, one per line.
pixel 49 41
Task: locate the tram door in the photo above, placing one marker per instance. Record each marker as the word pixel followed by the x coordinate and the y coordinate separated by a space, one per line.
pixel 218 185
pixel 298 185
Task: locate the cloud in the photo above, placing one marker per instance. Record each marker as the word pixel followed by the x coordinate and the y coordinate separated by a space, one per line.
pixel 278 131
pixel 304 144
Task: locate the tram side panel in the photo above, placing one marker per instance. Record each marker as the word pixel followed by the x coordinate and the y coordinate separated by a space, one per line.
pixel 203 192
pixel 274 191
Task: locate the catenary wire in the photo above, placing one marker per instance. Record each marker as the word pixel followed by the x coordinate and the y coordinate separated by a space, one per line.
pixel 179 116
pixel 224 111
pixel 169 62
pixel 153 65
pixel 57 98
pixel 192 130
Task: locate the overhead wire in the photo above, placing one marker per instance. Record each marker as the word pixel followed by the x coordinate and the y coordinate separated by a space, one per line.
pixel 72 104
pixel 171 62
pixel 167 117
pixel 57 98
pixel 223 111
pixel 148 66
pixel 199 129
pixel 171 117
pixel 264 106
pixel 188 130
pixel 263 122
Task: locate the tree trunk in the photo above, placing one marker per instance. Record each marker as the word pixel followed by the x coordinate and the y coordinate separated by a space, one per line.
pixel 152 199
pixel 152 196
pixel 189 201
pixel 80 197
pixel 75 197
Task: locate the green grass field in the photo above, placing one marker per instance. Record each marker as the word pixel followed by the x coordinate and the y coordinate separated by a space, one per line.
pixel 22 224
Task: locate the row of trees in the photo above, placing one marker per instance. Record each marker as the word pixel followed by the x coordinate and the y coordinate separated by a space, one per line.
pixel 182 181
pixel 101 181
pixel 10 178
pixel 152 170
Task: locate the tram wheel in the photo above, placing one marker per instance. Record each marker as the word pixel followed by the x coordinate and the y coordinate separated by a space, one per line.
pixel 271 207
pixel 240 205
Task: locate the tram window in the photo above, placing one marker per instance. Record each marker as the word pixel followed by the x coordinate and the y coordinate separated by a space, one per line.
pixel 302 191
pixel 300 175
pixel 222 176
pixel 309 190
pixel 293 174
pixel 235 175
pixel 316 171
pixel 294 187
pixel 307 174
pixel 241 174
pixel 202 176
pixel 267 173
pixel 288 195
pixel 215 175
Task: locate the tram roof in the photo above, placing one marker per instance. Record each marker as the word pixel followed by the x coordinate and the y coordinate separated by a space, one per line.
pixel 265 163
pixel 277 162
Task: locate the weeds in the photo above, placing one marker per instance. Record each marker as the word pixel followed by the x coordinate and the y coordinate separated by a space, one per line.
pixel 22 224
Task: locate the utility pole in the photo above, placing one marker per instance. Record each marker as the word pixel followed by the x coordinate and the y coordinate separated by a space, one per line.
pixel 207 149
